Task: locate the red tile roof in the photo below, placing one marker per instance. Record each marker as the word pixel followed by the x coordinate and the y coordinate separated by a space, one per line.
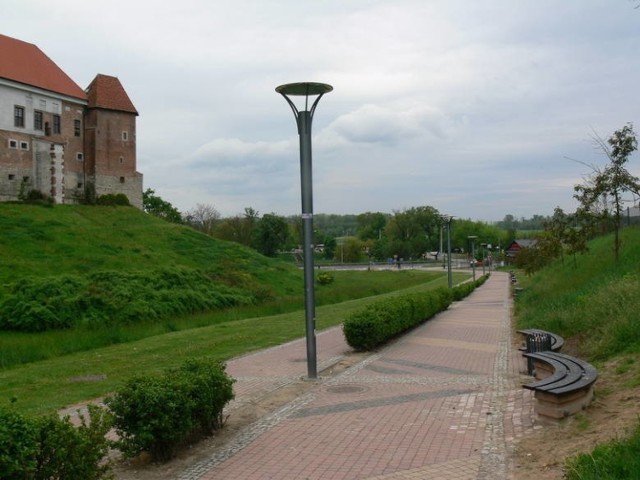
pixel 107 92
pixel 25 63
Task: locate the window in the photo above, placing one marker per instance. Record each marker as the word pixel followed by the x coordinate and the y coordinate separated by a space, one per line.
pixel 13 143
pixel 24 145
pixel 12 176
pixel 125 136
pixel 38 123
pixel 121 179
pixel 18 116
pixel 79 156
pixel 56 124
pixel 79 185
pixel 76 127
pixel 121 160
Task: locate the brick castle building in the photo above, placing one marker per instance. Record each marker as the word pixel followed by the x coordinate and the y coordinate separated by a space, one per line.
pixel 67 143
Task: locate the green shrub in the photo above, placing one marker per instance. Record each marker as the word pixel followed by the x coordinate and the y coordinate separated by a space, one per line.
pixel 211 389
pixel 108 298
pixel 113 199
pixel 381 321
pixel 325 278
pixel 74 453
pixel 53 448
pixel 159 414
pixel 18 445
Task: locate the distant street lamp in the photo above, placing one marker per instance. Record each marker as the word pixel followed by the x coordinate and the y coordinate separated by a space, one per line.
pixel 448 219
pixel 304 120
pixel 473 254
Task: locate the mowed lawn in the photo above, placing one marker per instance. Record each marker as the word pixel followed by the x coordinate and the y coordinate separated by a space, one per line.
pixel 45 386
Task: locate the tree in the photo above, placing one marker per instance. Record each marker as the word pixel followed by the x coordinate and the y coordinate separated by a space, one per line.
pixel 271 234
pixel 351 250
pixel 203 218
pixel 413 232
pixel 156 206
pixel 370 225
pixel 238 228
pixel 608 185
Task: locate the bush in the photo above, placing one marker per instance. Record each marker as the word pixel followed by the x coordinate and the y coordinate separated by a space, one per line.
pixel 113 199
pixel 159 414
pixel 18 445
pixel 107 298
pixel 52 448
pixel 36 197
pixel 74 453
pixel 381 321
pixel 325 278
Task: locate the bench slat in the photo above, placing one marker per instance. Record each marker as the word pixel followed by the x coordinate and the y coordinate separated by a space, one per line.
pixel 557 341
pixel 570 374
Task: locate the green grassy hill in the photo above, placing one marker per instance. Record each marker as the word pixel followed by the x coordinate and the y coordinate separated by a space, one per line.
pixel 70 266
pixel 593 302
pixel 591 299
pixel 40 241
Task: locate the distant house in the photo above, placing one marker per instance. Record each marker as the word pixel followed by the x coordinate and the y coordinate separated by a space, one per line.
pixel 517 245
pixel 58 139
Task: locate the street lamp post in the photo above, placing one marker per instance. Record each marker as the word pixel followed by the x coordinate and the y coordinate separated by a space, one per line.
pixel 448 219
pixel 473 254
pixel 304 119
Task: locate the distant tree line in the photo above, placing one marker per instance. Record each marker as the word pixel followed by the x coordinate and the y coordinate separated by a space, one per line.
pixel 410 234
pixel 419 232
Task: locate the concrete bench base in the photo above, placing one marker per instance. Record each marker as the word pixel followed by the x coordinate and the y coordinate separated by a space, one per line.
pixel 564 385
pixel 556 407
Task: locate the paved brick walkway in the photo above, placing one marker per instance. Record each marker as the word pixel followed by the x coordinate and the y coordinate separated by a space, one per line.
pixel 443 402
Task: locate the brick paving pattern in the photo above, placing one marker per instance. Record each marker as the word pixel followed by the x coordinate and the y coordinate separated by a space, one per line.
pixel 443 402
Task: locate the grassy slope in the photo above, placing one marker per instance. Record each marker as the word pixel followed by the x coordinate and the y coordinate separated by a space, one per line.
pixel 41 241
pixel 595 299
pixel 595 303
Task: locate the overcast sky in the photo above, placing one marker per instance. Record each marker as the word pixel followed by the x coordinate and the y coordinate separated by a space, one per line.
pixel 474 107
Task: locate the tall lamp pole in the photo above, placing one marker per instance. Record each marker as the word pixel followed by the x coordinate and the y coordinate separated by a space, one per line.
pixel 448 219
pixel 473 254
pixel 304 120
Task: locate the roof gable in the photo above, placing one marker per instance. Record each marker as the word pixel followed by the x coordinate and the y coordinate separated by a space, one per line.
pixel 25 63
pixel 107 92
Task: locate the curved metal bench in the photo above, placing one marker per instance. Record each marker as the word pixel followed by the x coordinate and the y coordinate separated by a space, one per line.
pixel 557 341
pixel 563 386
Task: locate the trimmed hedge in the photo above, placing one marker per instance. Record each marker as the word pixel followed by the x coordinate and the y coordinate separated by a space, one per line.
pixel 160 414
pixel 381 321
pixel 53 448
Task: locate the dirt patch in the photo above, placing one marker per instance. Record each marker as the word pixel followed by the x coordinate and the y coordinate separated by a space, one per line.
pixel 142 469
pixel 615 411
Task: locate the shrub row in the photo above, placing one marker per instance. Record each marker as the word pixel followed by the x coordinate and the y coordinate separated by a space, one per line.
pixel 53 448
pixel 381 321
pixel 109 298
pixel 160 414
